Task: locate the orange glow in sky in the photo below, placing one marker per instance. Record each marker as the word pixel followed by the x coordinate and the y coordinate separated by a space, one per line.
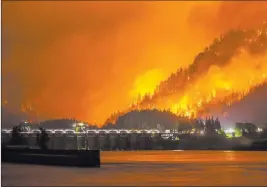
pixel 89 59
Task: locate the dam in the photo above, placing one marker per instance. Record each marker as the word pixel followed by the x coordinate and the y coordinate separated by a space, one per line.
pixel 138 139
pixel 94 139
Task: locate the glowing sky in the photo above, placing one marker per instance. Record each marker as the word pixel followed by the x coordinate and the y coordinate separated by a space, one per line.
pixel 89 59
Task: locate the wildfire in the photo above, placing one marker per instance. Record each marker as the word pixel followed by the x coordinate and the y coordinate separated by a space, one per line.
pixel 146 83
pixel 223 74
pixel 220 83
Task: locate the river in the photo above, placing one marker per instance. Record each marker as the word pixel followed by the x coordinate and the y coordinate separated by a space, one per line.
pixel 149 168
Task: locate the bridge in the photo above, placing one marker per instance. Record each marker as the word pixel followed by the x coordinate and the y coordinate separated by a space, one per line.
pixel 106 139
pixel 106 131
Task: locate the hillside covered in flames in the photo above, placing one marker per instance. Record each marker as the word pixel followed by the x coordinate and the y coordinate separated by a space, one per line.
pixel 228 70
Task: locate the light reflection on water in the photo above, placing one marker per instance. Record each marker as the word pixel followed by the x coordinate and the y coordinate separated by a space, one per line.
pixel 150 168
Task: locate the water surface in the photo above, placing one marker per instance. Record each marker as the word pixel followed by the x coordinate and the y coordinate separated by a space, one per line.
pixel 149 168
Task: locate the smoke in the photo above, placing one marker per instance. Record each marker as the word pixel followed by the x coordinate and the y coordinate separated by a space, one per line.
pixel 249 109
pixel 83 59
pixel 218 18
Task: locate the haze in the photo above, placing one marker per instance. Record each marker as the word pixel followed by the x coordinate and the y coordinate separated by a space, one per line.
pixel 87 60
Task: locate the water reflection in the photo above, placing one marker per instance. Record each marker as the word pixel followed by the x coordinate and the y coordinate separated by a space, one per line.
pixel 151 168
pixel 230 155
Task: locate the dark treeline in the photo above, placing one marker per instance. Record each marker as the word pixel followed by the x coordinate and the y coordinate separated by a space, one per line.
pixel 137 119
pixel 161 120
pixel 143 119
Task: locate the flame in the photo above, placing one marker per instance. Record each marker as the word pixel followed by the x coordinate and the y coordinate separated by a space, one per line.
pixel 225 77
pixel 222 82
pixel 146 83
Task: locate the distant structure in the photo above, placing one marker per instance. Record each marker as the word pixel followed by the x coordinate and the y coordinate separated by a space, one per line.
pixel 247 127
